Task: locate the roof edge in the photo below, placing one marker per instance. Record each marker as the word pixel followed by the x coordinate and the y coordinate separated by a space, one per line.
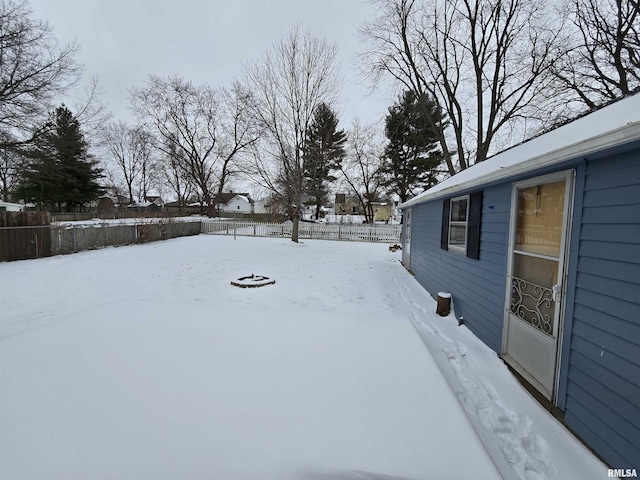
pixel 611 139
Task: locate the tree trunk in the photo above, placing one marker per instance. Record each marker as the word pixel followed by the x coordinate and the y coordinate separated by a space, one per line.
pixel 369 213
pixel 206 201
pixel 295 228
pixel 444 304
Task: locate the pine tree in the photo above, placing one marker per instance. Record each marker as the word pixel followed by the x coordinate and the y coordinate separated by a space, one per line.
pixel 412 154
pixel 61 170
pixel 323 153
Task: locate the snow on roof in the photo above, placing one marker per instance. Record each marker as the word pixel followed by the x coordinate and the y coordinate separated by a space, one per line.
pixel 611 126
pixel 11 204
pixel 227 197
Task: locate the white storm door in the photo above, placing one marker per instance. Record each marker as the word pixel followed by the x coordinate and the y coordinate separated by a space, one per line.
pixel 539 231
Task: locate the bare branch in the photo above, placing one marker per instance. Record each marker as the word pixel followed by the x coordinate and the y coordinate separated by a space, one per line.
pixel 486 64
pixel 602 63
pixel 200 129
pixel 290 80
pixel 34 69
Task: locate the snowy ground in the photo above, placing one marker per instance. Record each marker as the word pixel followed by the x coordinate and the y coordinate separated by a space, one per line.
pixel 143 362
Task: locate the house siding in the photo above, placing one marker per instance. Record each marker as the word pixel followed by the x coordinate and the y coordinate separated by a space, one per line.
pixel 598 381
pixel 477 286
pixel 599 384
pixel 236 204
pixel 603 375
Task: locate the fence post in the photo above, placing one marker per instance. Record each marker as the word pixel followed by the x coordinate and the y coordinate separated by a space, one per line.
pixel 339 232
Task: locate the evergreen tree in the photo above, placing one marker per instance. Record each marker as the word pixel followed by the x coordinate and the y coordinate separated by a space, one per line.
pixel 61 170
pixel 412 155
pixel 323 153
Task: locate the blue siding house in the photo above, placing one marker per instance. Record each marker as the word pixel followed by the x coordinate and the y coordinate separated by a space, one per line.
pixel 540 248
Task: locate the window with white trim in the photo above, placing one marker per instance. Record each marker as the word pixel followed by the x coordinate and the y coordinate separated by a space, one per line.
pixel 461 221
pixel 458 217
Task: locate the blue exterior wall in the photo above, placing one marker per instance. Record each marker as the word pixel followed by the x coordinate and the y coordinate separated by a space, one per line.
pixel 599 379
pixel 477 286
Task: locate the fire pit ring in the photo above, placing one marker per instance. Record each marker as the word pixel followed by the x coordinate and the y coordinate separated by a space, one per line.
pixel 253 281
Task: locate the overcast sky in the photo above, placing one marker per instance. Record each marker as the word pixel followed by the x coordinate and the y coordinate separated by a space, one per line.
pixel 205 41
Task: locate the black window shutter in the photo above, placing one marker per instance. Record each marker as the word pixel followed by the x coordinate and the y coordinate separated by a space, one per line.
pixel 444 237
pixel 473 225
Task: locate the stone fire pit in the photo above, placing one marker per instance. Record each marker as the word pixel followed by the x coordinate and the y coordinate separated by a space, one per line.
pixel 253 281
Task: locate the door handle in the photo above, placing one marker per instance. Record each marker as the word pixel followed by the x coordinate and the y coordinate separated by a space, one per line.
pixel 556 292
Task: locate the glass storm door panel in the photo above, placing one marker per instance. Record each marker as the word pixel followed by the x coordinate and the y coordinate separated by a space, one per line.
pixel 534 296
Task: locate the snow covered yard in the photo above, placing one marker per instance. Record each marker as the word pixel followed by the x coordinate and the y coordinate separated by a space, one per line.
pixel 143 362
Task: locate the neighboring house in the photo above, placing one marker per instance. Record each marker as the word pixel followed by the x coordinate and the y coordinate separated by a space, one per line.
pixel 154 199
pixel 181 208
pixel 11 207
pixel 151 204
pixel 540 248
pixel 143 207
pixel 260 206
pixel 234 202
pixel 347 205
pixel 350 205
pixel 382 211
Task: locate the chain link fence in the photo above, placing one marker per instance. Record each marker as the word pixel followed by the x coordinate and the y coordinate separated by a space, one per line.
pixel 24 242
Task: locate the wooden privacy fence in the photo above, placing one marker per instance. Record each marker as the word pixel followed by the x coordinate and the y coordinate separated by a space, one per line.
pixel 21 242
pixel 319 231
pixel 76 238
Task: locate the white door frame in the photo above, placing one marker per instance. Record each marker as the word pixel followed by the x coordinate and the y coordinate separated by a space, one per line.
pixel 554 341
pixel 406 249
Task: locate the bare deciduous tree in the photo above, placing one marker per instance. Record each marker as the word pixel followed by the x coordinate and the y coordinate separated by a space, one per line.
pixel 92 111
pixel 130 150
pixel 603 62
pixel 11 162
pixel 174 176
pixel 363 166
pixel 290 80
pixel 242 132
pixel 33 70
pixel 200 128
pixel 149 178
pixel 485 62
